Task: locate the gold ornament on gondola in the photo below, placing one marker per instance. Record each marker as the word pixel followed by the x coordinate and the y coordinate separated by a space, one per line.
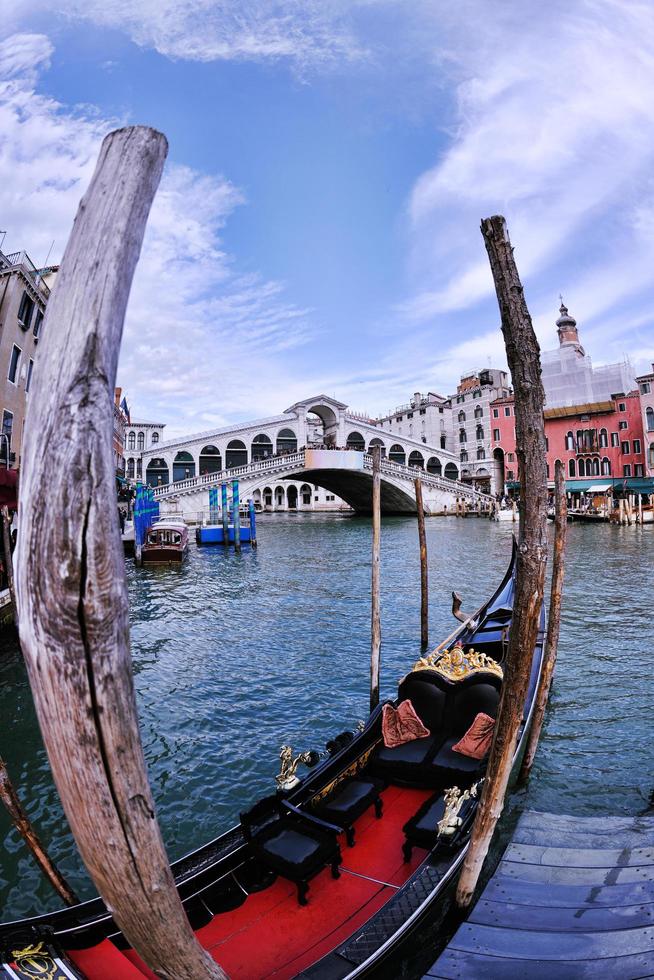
pixel 287 779
pixel 454 800
pixel 456 664
pixel 35 961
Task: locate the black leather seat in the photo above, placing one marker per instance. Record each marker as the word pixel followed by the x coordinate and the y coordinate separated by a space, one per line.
pixel 408 764
pixel 422 829
pixel 350 800
pixel 293 843
pixel 453 768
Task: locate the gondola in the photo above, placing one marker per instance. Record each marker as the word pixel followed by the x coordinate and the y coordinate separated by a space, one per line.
pixel 330 877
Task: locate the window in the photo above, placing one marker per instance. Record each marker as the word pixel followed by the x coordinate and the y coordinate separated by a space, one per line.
pixel 507 411
pixel 140 440
pixel 462 435
pixel 464 456
pixel 624 448
pixel 645 388
pixel 423 411
pixel 409 415
pixel 131 440
pixel 130 469
pixel 480 432
pixel 25 311
pixel 547 443
pixel 462 417
pixel 615 439
pixel 570 441
pixel 479 412
pixel 496 435
pixel 38 320
pixel 638 469
pixel 622 407
pixel 622 425
pixel 547 470
pixel 29 375
pixel 509 475
pixel 649 414
pixel 603 439
pixel 626 469
pixel 14 361
pixel 481 453
pixel 606 466
pixel 651 457
pixel 7 427
pixel 572 469
pixel 496 413
pixel 510 457
pixel 155 438
pixel 443 442
pixel 636 447
pixel 399 418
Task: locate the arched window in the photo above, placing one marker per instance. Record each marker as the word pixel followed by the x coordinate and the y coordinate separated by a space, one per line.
pixel 291 496
pixel 305 493
pixel 156 473
pixel 183 466
pixel 261 447
pixel 570 441
pixel 139 468
pixel 572 471
pixel 462 435
pixel 130 469
pixel 210 460
pixel 417 459
pixel 480 432
pixel 451 472
pixel 267 496
pixel 355 441
pixel 462 417
pixel 377 442
pixel 279 496
pixel 396 454
pixel 651 456
pixel 596 466
pixel 649 415
pixel 606 466
pixel 131 440
pixel 464 456
pixel 140 440
pixel 479 412
pixel 286 441
pixel 236 454
pixel 434 466
pixel 603 439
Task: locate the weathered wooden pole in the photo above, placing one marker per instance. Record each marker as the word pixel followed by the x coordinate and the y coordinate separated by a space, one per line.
pixel 553 622
pixel 523 355
pixel 375 619
pixel 72 596
pixel 9 564
pixel 424 593
pixel 24 827
pixel 236 517
pixel 253 523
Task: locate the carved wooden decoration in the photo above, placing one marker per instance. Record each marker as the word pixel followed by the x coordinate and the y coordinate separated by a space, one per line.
pixel 72 596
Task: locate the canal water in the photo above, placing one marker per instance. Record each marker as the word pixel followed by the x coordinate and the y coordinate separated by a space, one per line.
pixel 236 655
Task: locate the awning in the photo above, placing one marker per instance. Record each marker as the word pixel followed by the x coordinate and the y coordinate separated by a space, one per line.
pixel 585 486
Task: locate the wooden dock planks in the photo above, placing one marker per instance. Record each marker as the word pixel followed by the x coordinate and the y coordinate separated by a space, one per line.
pixel 572 897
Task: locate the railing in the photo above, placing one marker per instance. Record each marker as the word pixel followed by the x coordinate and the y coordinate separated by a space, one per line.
pixel 277 464
pixel 22 259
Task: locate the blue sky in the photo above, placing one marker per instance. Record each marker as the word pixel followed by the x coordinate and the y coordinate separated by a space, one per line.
pixel 317 228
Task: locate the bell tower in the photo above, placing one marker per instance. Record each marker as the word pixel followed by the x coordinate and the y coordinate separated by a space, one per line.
pixel 566 326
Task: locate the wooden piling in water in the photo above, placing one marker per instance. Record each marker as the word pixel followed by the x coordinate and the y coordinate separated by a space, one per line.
pixel 424 588
pixel 375 618
pixel 24 827
pixel 71 591
pixel 253 523
pixel 225 513
pixel 236 508
pixel 523 355
pixel 553 622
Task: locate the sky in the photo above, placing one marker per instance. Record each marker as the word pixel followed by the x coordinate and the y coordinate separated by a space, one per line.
pixel 317 226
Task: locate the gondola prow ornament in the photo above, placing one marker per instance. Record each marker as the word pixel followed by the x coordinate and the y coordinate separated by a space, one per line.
pixel 287 779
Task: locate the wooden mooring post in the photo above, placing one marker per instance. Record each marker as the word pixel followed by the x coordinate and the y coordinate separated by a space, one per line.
pixel 24 827
pixel 236 508
pixel 225 513
pixel 523 355
pixel 553 622
pixel 72 596
pixel 375 618
pixel 424 586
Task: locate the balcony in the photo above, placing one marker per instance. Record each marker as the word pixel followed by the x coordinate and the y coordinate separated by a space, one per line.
pixel 15 261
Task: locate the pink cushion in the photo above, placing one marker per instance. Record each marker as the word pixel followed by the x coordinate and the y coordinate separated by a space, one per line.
pixel 477 740
pixel 401 725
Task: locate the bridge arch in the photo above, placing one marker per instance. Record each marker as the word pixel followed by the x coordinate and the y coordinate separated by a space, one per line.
pixel 183 466
pixel 396 454
pixel 280 498
pixel 261 447
pixel 286 441
pixel 157 473
pixel 355 441
pixel 417 460
pixel 291 496
pixel 434 466
pixel 236 454
pixel 377 442
pixel 210 460
pixel 329 420
pixel 451 471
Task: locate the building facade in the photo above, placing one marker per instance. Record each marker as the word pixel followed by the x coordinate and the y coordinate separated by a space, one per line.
pixel 646 391
pixel 139 437
pixel 24 293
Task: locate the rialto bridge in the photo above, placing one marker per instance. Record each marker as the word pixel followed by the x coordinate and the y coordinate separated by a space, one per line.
pixel 315 443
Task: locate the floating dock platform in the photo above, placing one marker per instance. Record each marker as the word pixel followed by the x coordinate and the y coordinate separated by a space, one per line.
pixel 572 898
pixel 213 534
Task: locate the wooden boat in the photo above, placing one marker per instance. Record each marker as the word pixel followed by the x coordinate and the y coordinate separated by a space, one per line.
pixel 400 870
pixel 504 514
pixel 166 542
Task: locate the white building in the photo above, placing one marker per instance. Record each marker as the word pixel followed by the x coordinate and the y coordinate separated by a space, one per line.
pixel 139 437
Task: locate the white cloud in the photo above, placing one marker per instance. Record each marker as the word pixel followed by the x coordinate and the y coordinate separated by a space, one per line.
pixel 197 331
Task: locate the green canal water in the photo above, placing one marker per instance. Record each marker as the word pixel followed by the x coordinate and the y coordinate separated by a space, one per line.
pixel 236 655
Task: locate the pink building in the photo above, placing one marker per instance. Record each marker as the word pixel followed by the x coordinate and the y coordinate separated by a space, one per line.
pixel 646 390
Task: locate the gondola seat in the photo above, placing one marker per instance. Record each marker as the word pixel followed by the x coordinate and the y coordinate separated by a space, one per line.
pixel 408 764
pixel 422 829
pixel 350 800
pixel 291 842
pixel 454 768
